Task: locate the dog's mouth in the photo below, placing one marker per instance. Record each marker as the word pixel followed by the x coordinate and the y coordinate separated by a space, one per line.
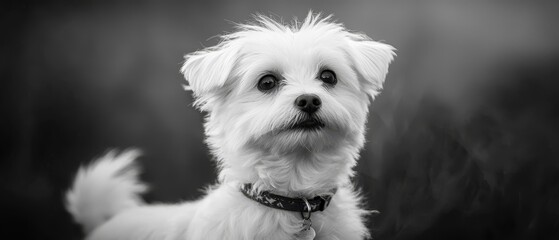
pixel 310 123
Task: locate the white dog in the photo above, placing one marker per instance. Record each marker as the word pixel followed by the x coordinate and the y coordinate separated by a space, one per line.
pixel 286 110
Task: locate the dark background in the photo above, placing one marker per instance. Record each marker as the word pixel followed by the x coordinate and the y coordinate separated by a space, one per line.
pixel 462 143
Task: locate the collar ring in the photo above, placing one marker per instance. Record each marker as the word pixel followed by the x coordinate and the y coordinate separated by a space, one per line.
pixel 306 215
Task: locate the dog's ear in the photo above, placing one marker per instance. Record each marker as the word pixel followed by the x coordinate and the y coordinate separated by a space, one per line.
pixel 371 60
pixel 208 70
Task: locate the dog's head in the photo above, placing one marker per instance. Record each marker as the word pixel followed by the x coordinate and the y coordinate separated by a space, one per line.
pixel 276 90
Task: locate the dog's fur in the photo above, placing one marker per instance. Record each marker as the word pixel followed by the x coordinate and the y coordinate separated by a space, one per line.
pixel 250 134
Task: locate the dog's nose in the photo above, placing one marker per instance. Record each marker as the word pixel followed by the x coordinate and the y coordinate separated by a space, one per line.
pixel 308 103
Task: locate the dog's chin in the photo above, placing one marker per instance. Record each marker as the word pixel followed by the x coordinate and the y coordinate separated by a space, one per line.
pixel 306 135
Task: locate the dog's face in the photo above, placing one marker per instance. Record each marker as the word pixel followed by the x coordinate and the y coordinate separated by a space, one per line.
pixel 275 90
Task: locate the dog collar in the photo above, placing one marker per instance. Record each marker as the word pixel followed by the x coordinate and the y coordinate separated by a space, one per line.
pixel 302 205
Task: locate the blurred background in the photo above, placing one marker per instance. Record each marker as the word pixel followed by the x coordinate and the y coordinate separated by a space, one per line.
pixel 463 142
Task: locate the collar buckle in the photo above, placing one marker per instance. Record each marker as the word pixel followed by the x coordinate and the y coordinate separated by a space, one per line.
pixel 324 202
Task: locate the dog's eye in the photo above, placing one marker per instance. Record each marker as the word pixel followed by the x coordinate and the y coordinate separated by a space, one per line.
pixel 267 83
pixel 329 77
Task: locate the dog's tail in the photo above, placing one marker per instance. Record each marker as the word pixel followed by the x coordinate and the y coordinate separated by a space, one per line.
pixel 105 187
